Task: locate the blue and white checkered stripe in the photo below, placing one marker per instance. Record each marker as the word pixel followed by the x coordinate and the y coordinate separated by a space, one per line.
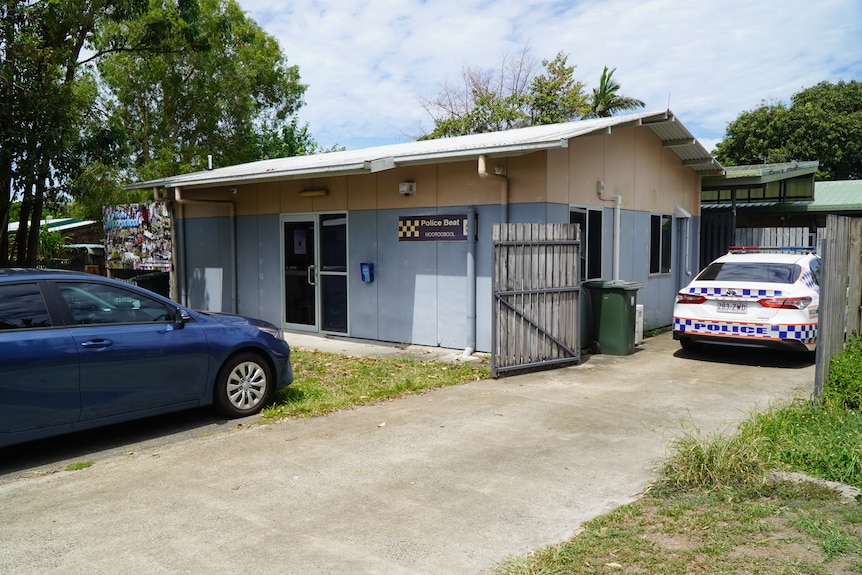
pixel 808 279
pixel 740 293
pixel 806 332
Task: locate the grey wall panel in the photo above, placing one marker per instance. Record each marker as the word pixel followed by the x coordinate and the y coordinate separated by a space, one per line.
pixel 270 272
pixel 248 266
pixel 208 267
pixel 452 294
pixel 407 284
pixel 364 300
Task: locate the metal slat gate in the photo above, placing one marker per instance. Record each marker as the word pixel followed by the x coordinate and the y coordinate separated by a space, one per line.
pixel 536 292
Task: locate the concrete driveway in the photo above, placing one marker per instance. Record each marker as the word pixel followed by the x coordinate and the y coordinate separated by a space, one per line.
pixel 452 481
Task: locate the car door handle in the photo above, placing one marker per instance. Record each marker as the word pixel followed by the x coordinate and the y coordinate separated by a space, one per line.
pixel 97 344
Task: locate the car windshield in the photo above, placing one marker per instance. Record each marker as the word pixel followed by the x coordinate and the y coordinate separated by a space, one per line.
pixel 751 272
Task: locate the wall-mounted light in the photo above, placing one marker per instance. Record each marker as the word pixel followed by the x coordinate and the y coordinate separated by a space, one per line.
pixel 313 193
pixel 407 188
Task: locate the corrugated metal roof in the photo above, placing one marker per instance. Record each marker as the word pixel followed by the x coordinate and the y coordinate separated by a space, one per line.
pixel 492 144
pixel 842 196
pixel 58 225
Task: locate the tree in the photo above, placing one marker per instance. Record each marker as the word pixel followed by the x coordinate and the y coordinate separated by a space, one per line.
pixel 823 123
pixel 511 97
pixel 222 85
pixel 605 101
pixel 556 96
pixel 42 51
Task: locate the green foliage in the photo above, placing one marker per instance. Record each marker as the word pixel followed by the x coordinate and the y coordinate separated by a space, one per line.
pixel 802 436
pixel 219 84
pixel 606 101
pixel 843 386
pixel 716 462
pixel 511 97
pixel 52 245
pixel 556 96
pixel 823 122
pixel 286 139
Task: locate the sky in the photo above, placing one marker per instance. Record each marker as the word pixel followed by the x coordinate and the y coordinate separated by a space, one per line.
pixel 369 64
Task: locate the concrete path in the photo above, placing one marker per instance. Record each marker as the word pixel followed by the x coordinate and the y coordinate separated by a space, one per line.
pixel 449 482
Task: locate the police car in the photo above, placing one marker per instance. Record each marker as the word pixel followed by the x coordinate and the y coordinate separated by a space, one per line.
pixel 752 297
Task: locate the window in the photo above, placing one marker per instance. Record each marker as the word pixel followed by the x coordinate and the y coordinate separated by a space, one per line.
pixel 590 222
pixel 22 307
pixel 751 272
pixel 97 303
pixel 661 227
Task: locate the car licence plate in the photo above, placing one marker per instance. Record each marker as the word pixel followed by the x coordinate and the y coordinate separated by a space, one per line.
pixel 732 307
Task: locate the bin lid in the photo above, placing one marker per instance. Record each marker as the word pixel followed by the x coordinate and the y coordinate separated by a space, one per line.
pixel 612 284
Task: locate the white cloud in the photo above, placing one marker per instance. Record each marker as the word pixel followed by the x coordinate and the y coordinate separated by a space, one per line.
pixel 368 65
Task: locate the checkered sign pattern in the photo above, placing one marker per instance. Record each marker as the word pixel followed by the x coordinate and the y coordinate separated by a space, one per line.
pixel 408 229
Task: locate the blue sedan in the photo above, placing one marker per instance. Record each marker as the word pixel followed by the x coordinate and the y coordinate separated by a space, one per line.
pixel 79 351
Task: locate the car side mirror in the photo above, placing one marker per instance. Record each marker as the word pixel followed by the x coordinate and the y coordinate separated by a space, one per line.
pixel 179 318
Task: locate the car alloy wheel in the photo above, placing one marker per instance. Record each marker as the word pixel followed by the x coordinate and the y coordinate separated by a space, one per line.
pixel 244 385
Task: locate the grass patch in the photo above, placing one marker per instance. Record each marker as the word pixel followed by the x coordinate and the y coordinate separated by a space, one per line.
pixel 79 465
pixel 326 382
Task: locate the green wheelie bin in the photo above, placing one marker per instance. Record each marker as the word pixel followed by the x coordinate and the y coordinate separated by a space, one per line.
pixel 614 310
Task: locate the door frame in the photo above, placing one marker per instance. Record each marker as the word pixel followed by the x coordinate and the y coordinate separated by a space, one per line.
pixel 315 218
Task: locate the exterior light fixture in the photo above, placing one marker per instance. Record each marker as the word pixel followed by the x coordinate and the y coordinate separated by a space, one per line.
pixel 313 193
pixel 407 188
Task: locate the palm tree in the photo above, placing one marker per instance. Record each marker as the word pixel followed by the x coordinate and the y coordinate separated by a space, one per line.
pixel 606 102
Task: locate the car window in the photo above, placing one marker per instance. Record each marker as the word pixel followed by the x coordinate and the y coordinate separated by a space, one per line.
pixel 99 303
pixel 751 272
pixel 22 307
pixel 814 266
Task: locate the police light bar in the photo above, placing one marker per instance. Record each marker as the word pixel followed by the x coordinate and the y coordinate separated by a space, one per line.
pixel 770 249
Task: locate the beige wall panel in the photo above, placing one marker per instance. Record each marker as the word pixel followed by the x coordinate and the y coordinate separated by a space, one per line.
pixel 586 167
pixel 620 165
pixel 335 200
pixel 257 199
pixel 192 210
pixel 528 177
pixel 648 168
pixel 426 187
pixel 291 202
pixel 558 175
pixel 362 192
pixel 693 184
pixel 460 184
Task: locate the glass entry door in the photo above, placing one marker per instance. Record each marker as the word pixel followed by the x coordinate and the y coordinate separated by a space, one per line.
pixel 315 272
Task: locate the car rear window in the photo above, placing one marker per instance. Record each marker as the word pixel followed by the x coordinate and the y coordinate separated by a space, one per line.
pixel 751 272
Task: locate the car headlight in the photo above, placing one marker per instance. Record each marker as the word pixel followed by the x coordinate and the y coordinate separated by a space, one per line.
pixel 272 330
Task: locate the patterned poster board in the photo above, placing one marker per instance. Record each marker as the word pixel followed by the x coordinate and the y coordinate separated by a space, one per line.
pixel 138 236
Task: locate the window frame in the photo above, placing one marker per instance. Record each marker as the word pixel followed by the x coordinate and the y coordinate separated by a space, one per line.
pixel 661 244
pixel 591 240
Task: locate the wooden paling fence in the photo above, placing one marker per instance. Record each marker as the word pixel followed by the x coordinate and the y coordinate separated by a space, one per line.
pixel 536 296
pixel 778 237
pixel 840 290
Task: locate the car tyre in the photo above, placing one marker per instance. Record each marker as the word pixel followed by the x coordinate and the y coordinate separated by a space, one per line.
pixel 244 385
